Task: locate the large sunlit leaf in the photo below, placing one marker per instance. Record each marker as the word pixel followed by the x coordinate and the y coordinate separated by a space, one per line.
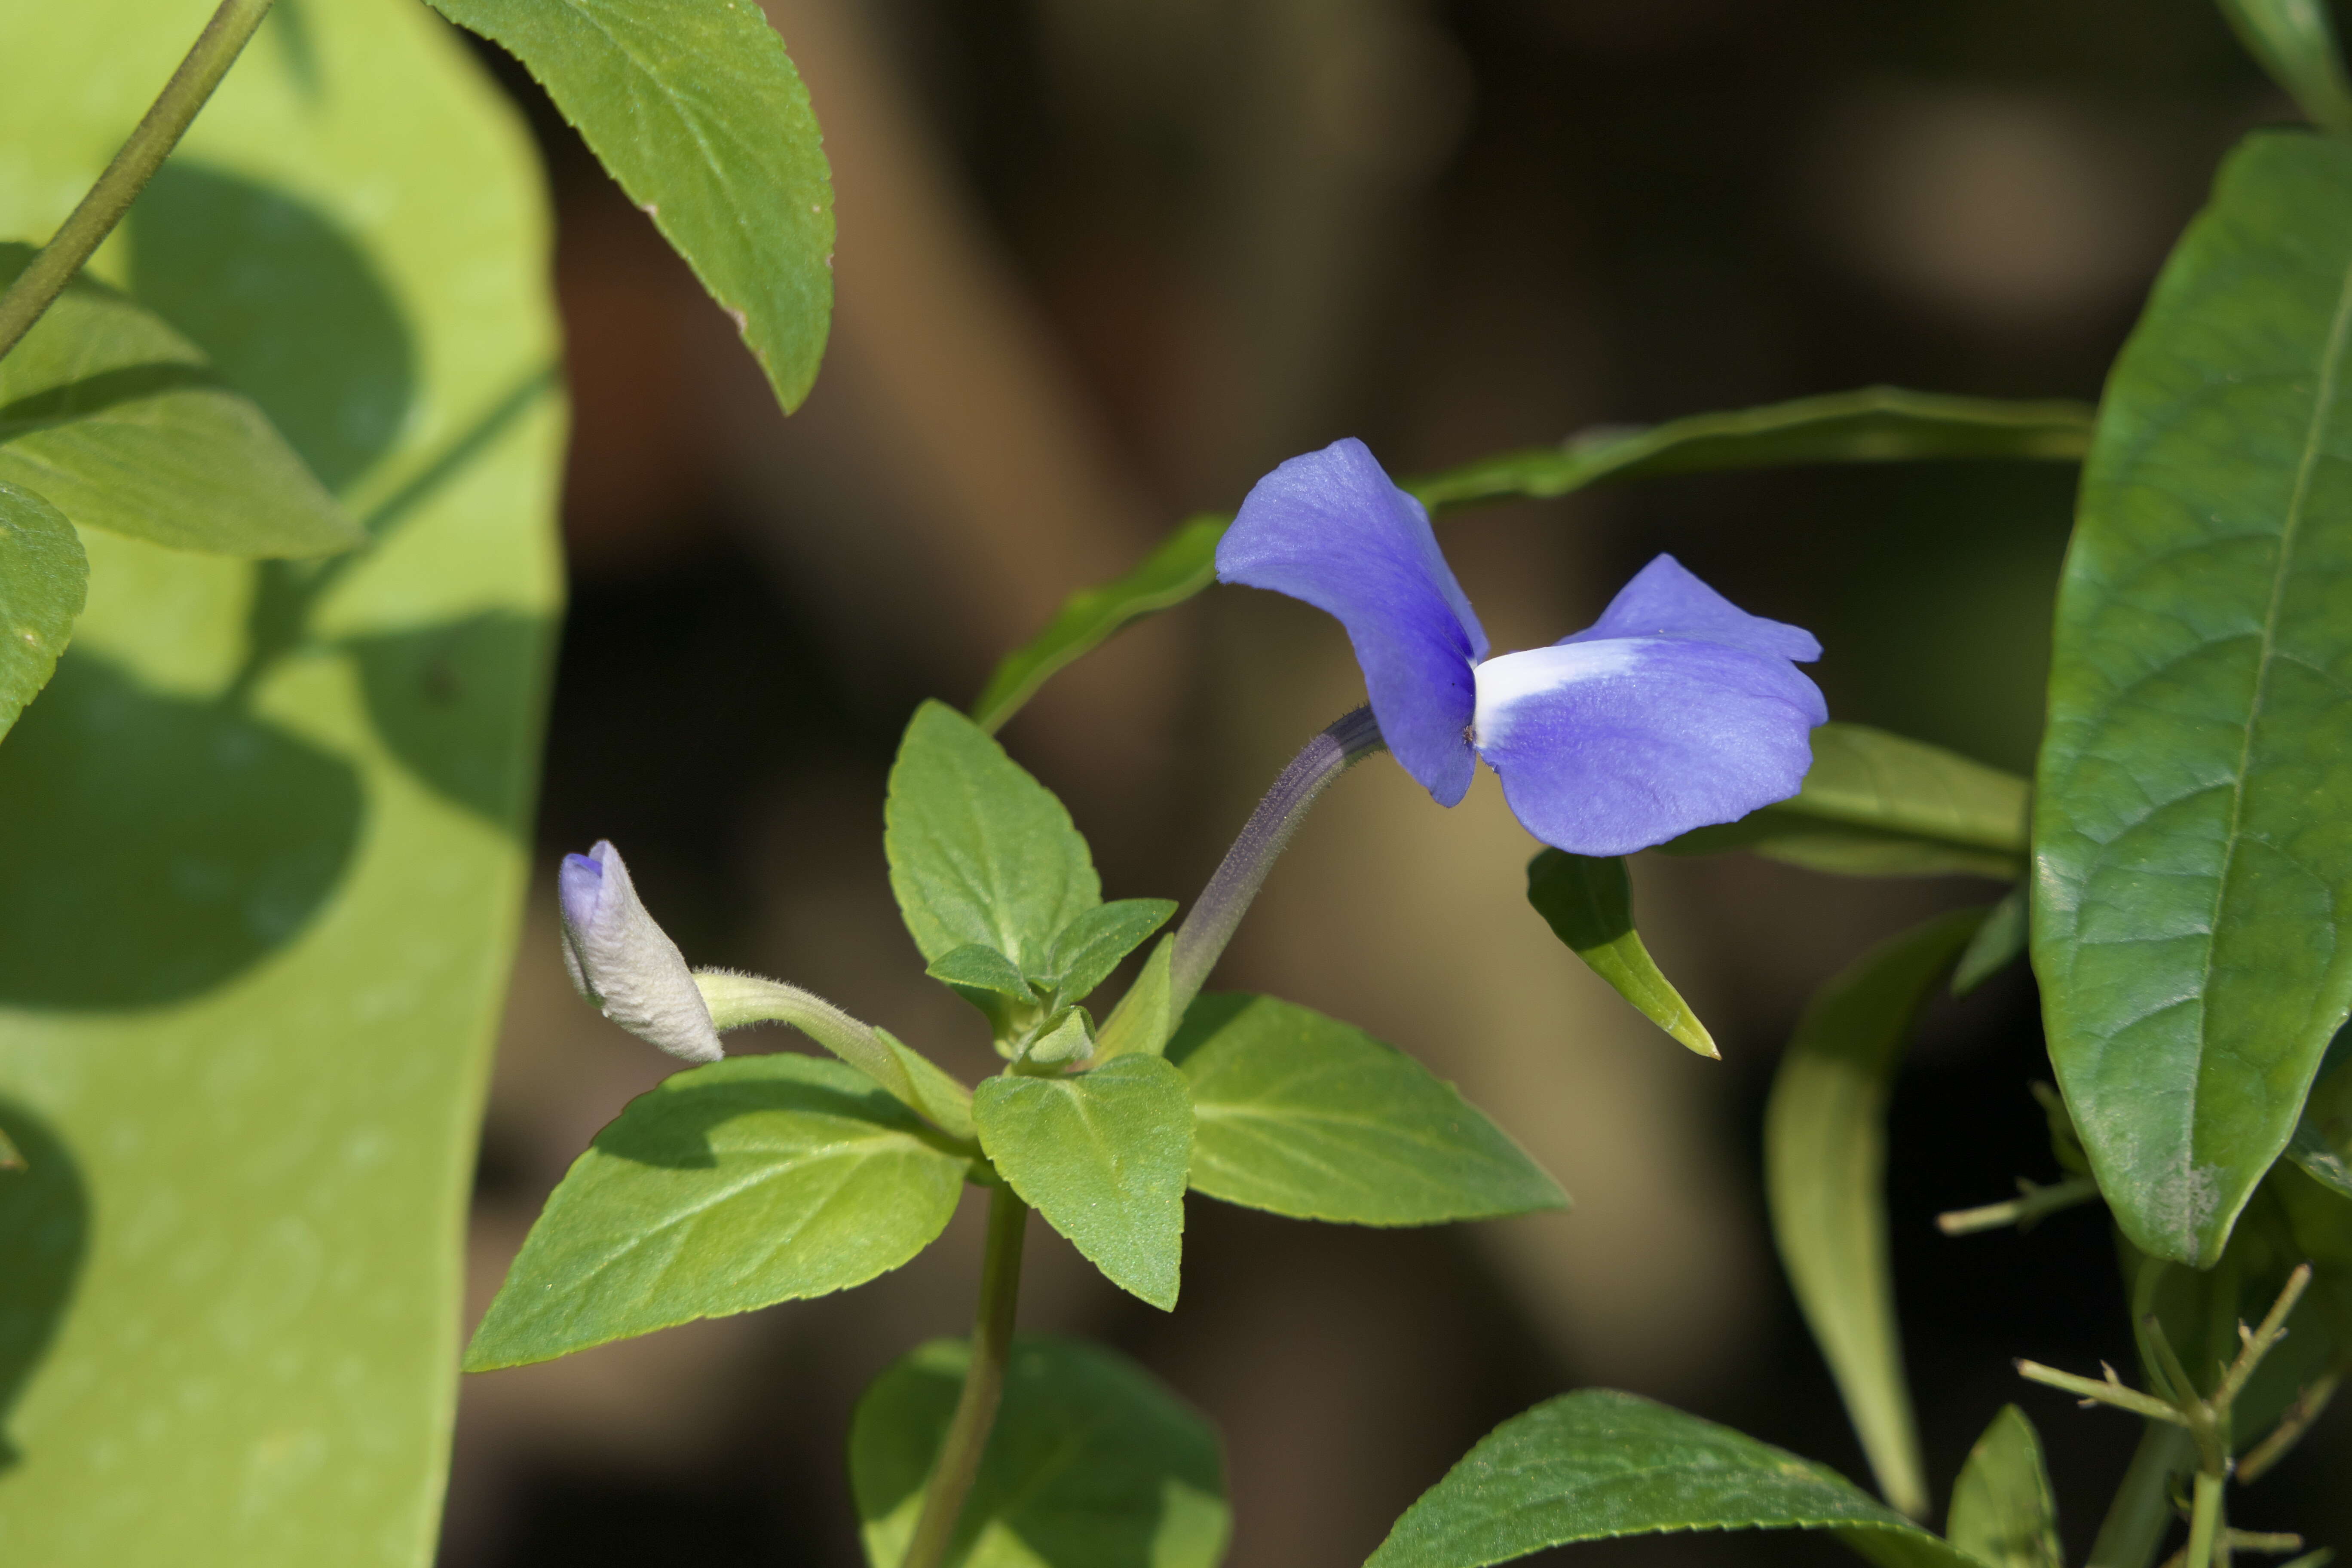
pixel 1596 1465
pixel 2193 809
pixel 1873 425
pixel 730 1187
pixel 44 578
pixel 695 108
pixel 121 422
pixel 1305 1116
pixel 1102 1155
pixel 1092 1463
pixel 2003 1512
pixel 2295 41
pixel 1876 805
pixel 261 840
pixel 1587 902
pixel 980 853
pixel 1825 1180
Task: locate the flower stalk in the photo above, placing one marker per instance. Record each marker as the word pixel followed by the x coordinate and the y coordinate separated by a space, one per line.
pixel 983 1384
pixel 150 141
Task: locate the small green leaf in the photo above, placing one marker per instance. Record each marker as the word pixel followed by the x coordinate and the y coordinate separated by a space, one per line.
pixel 121 423
pixel 1102 1155
pixel 2003 1512
pixel 1091 946
pixel 2295 41
pixel 1092 1463
pixel 1589 904
pixel 1303 1115
pixel 1876 804
pixel 695 108
pixel 1141 1021
pixel 980 967
pixel 1874 424
pixel 2322 1143
pixel 730 1187
pixel 2193 810
pixel 1069 1037
pixel 1999 942
pixel 980 851
pixel 1824 1177
pixel 1597 1465
pixel 44 578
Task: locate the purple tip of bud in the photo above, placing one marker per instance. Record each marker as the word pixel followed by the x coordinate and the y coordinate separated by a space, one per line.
pixel 581 884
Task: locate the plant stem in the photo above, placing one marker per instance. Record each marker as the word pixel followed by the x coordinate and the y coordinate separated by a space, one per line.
pixel 2035 1202
pixel 1214 915
pixel 166 119
pixel 983 1384
pixel 2307 1409
pixel 2205 1523
pixel 2142 1510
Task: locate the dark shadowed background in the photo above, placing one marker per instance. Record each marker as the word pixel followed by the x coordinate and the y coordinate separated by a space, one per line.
pixel 1103 262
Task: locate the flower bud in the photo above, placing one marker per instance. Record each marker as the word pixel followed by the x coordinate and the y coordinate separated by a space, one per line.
pixel 625 964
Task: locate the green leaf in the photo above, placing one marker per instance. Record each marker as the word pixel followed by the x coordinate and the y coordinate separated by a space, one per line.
pixel 1587 902
pixel 1142 1021
pixel 1597 1465
pixel 1303 1115
pixel 1102 1155
pixel 2295 41
pixel 695 108
pixel 1092 945
pixel 1876 805
pixel 2193 808
pixel 1874 424
pixel 979 967
pixel 2322 1143
pixel 253 954
pixel 44 578
pixel 1825 1180
pixel 1869 425
pixel 980 851
pixel 121 423
pixel 1999 942
pixel 1092 1463
pixel 2003 1512
pixel 727 1188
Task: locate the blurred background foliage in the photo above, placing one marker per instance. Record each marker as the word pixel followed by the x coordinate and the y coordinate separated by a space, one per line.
pixel 1103 262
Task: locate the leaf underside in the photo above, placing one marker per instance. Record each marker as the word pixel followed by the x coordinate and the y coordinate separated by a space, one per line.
pixel 2194 816
pixel 43 579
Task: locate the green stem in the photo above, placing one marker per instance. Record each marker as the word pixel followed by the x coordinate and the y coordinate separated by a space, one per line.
pixel 983 1384
pixel 167 118
pixel 2142 1510
pixel 2205 1525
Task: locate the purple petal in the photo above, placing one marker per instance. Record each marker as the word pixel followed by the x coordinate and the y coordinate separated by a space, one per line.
pixel 581 885
pixel 1665 600
pixel 1608 746
pixel 1329 528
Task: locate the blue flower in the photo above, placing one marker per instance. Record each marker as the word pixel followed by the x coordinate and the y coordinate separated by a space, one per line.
pixel 622 961
pixel 1674 709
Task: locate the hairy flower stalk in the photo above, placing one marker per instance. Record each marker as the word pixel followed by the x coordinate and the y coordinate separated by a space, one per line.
pixel 1218 911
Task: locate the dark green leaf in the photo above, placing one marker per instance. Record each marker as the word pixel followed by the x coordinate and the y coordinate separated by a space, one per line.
pixel 2295 41
pixel 980 967
pixel 252 957
pixel 1092 1463
pixel 1824 1177
pixel 1589 904
pixel 44 578
pixel 121 422
pixel 695 109
pixel 1597 1465
pixel 1102 1155
pixel 734 1186
pixel 1999 942
pixel 1876 805
pixel 1091 946
pixel 2193 811
pixel 980 851
pixel 1305 1116
pixel 2322 1143
pixel 2003 1512
pixel 1875 424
